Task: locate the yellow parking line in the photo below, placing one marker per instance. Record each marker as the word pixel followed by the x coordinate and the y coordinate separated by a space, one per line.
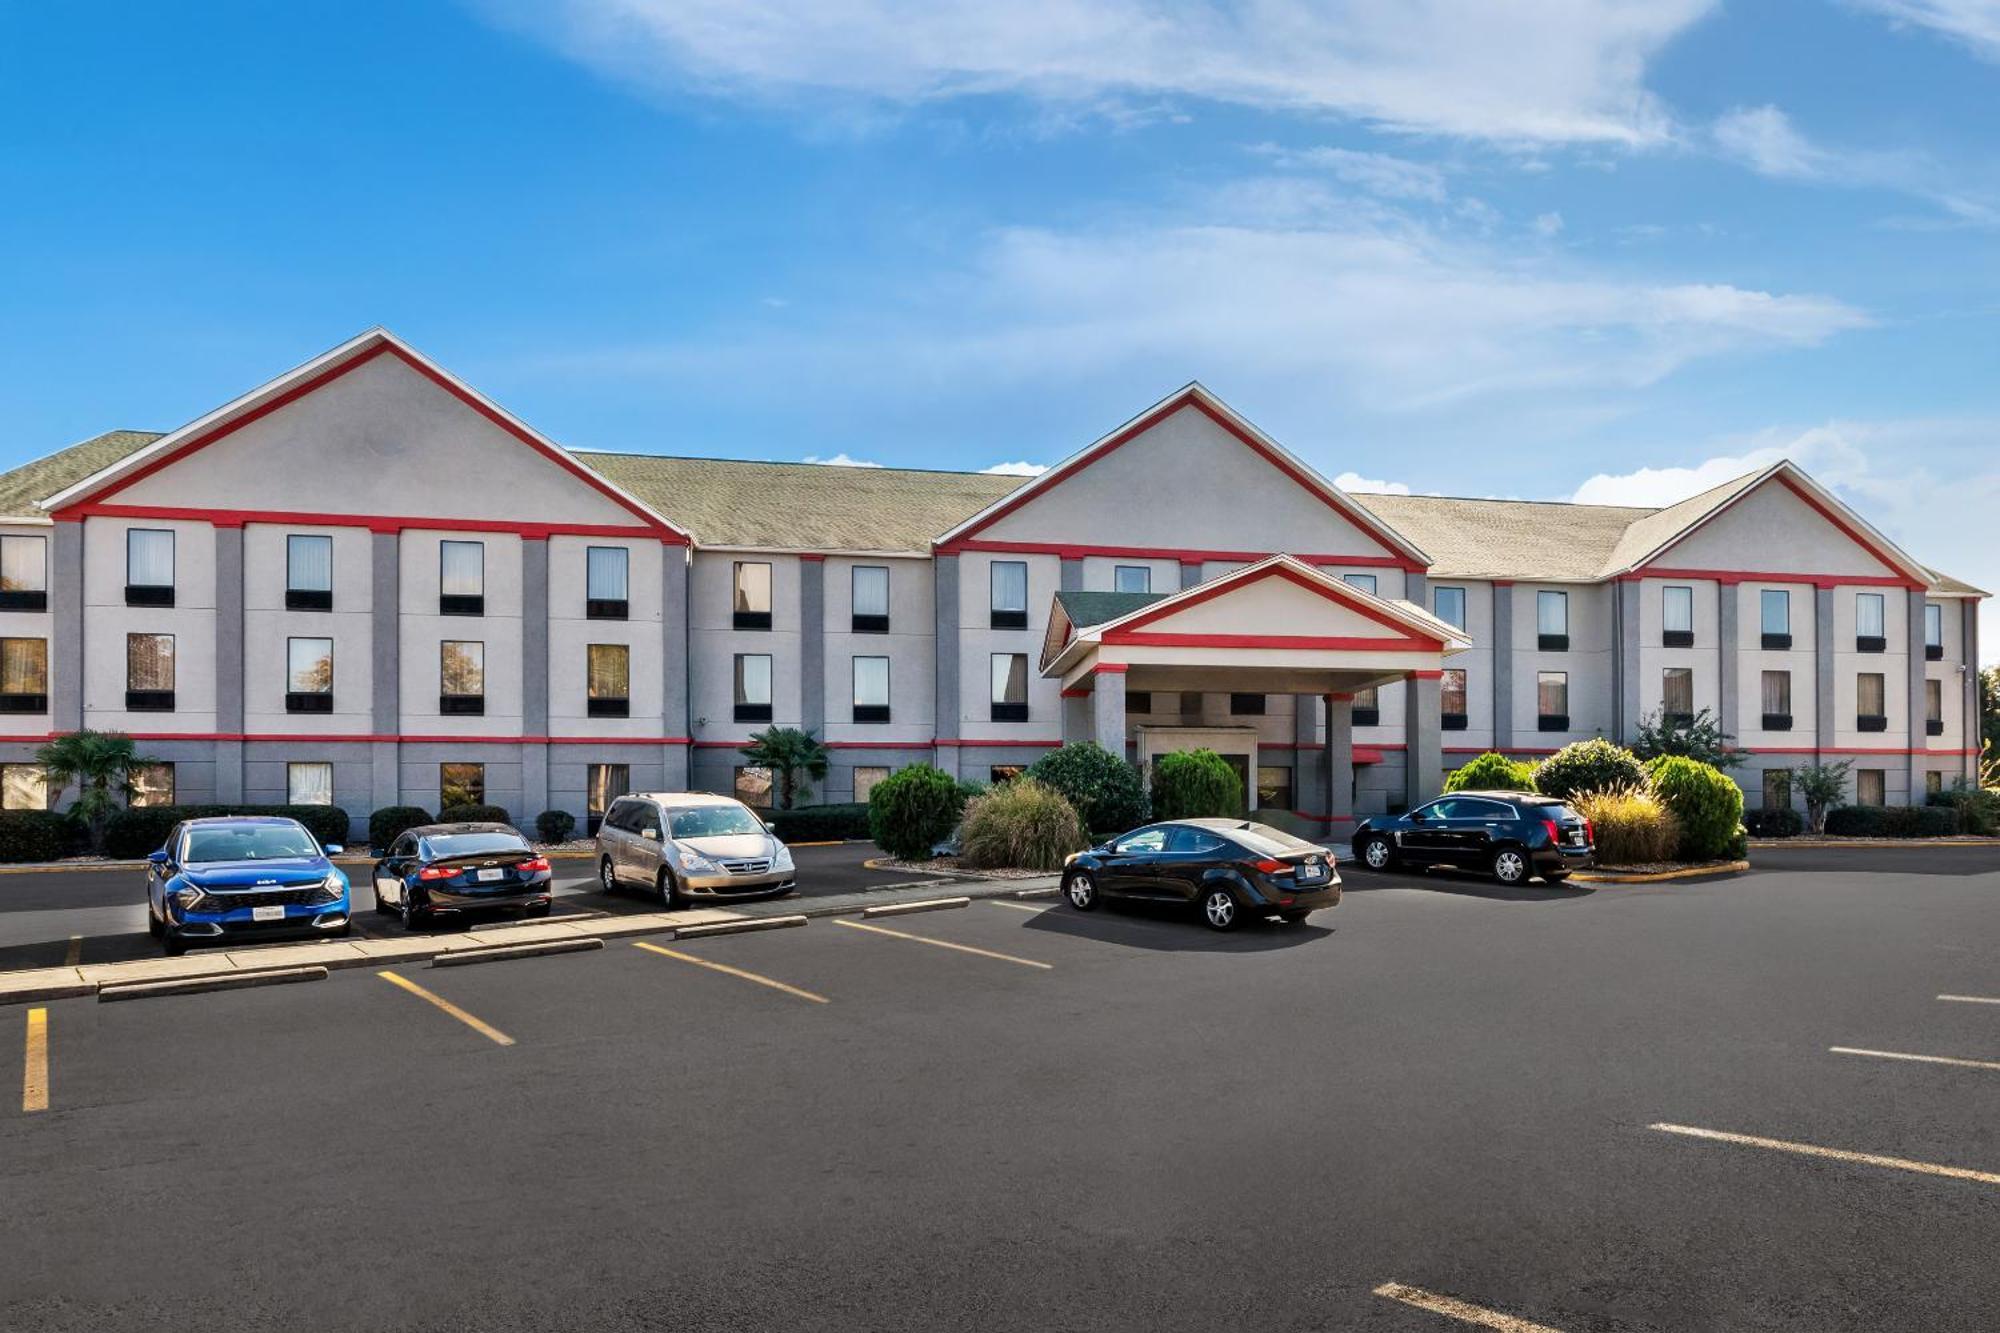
pixel 75 954
pixel 483 1028
pixel 1463 1311
pixel 1833 1154
pixel 738 972
pixel 35 1077
pixel 1971 999
pixel 942 944
pixel 1921 1059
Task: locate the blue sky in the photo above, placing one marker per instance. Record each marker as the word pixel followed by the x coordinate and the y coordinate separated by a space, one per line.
pixel 1555 248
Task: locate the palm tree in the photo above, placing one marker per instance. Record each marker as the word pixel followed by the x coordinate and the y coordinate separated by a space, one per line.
pixel 788 752
pixel 100 763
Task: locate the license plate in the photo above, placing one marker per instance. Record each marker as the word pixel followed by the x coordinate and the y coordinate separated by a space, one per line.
pixel 276 913
pixel 1310 874
pixel 492 874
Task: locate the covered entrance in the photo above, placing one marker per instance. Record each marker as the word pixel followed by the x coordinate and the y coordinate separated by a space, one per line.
pixel 1278 627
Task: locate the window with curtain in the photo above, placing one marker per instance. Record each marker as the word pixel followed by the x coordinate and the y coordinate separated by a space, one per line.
pixel 865 778
pixel 871 682
pixel 607 573
pixel 462 569
pixel 1448 604
pixel 462 667
pixel 1551 613
pixel 1933 783
pixel 1677 609
pixel 1365 582
pixel 23 787
pixel 752 588
pixel 1775 607
pixel 1010 678
pixel 24 667
pixel 869 586
pixel 149 558
pixel 1777 694
pixel 24 564
pixel 605 783
pixel 308 563
pixel 753 679
pixel 1871 692
pixel 1871 786
pixel 1869 615
pixel 1274 786
pixel 1677 692
pixel 461 784
pixel 1451 692
pixel 1552 693
pixel 1777 789
pixel 1008 591
pixel 1934 701
pixel 1367 707
pixel 1132 578
pixel 153 784
pixel 149 662
pixel 309 666
pixel 1933 630
pixel 309 784
pixel 609 670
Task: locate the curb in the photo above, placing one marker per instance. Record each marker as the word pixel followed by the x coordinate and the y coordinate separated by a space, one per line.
pixel 140 990
pixel 1049 892
pixel 1657 876
pixel 737 927
pixel 499 953
pixel 922 905
pixel 1836 844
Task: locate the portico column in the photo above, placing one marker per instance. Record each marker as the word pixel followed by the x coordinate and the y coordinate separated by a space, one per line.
pixel 1076 724
pixel 1107 706
pixel 1339 764
pixel 1423 737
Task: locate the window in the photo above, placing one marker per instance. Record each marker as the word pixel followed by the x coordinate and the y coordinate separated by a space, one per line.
pixel 1132 578
pixel 1451 699
pixel 1274 786
pixel 460 784
pixel 607 582
pixel 461 578
pixel 1449 606
pixel 603 785
pixel 865 778
pixel 1145 840
pixel 1367 708
pixel 309 784
pixel 1365 582
pixel 1552 700
pixel 750 601
pixel 1870 706
pixel 23 787
pixel 24 675
pixel 308 675
pixel 753 786
pixel 608 680
pixel 1933 632
pixel 1933 783
pixel 1246 705
pixel 1552 621
pixel 1869 616
pixel 149 567
pixel 870 588
pixel 1009 592
pixel 1677 616
pixel 753 687
pixel 149 673
pixel 462 677
pixel 24 574
pixel 1934 708
pixel 1138 701
pixel 308 572
pixel 1871 786
pixel 1777 701
pixel 1677 695
pixel 153 784
pixel 1777 789
pixel 999 773
pixel 1010 687
pixel 871 689
pixel 1775 609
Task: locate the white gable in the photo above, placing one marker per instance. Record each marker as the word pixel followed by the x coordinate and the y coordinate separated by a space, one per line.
pixel 1272 605
pixel 1772 529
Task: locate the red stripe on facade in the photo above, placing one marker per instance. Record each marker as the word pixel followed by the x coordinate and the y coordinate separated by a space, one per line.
pixel 236 518
pixel 1333 591
pixel 1733 576
pixel 1301 642
pixel 1184 555
pixel 366 738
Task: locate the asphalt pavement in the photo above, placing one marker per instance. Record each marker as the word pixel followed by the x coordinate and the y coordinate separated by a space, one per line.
pixel 1016 1116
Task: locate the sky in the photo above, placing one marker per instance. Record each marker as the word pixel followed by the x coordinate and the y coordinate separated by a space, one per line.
pixel 1605 250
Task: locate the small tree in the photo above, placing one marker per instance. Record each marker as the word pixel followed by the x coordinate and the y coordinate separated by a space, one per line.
pixel 1587 766
pixel 1491 772
pixel 1196 784
pixel 1105 790
pixel 1700 738
pixel 1823 786
pixel 792 755
pixel 914 809
pixel 102 765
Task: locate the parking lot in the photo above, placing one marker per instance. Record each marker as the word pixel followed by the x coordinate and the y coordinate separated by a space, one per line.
pixel 1691 1105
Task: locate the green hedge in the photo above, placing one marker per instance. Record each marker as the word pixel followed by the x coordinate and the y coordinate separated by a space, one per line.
pixel 1774 823
pixel 1706 801
pixel 392 821
pixel 474 814
pixel 1592 765
pixel 1891 821
pixel 819 823
pixel 914 809
pixel 1196 784
pixel 1492 772
pixel 1977 809
pixel 555 825
pixel 1103 788
pixel 141 832
pixel 39 835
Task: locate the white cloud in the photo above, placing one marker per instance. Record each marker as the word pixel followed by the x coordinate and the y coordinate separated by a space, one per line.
pixel 1548 225
pixel 1377 173
pixel 1358 484
pixel 1975 23
pixel 839 460
pixel 1530 71
pixel 1762 138
pixel 1021 468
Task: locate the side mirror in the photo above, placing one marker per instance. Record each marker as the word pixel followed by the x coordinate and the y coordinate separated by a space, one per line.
pixel 1418 816
pixel 333 849
pixel 650 833
pixel 158 858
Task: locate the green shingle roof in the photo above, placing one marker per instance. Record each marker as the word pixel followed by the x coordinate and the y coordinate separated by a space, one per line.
pixel 63 469
pixel 1085 609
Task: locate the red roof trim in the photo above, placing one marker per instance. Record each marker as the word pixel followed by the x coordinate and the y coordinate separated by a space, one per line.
pixel 1185 555
pixel 371 738
pixel 1333 591
pixel 1301 642
pixel 1001 743
pixel 1734 576
pixel 1109 669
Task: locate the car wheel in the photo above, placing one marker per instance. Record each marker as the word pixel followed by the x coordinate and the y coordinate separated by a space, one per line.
pixel 670 892
pixel 1376 854
pixel 1220 911
pixel 153 926
pixel 1510 866
pixel 381 908
pixel 607 878
pixel 1081 891
pixel 413 919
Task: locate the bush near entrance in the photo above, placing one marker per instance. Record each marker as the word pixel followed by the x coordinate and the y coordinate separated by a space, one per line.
pixel 819 823
pixel 1892 821
pixel 1023 825
pixel 392 822
pixel 141 832
pixel 473 814
pixel 1491 772
pixel 1706 801
pixel 1977 809
pixel 40 835
pixel 555 825
pixel 1105 790
pixel 914 809
pixel 1196 784
pixel 1595 765
pixel 1779 823
pixel 1632 826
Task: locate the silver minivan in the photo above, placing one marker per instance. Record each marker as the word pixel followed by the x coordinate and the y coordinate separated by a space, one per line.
pixel 688 845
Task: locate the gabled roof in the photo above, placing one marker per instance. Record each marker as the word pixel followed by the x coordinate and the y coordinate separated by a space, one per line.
pixel 22 488
pixel 1086 609
pixel 1508 539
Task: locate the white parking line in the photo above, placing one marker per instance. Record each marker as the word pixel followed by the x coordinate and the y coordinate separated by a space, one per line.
pixel 1832 1154
pixel 1019 907
pixel 1921 1059
pixel 1463 1311
pixel 1971 999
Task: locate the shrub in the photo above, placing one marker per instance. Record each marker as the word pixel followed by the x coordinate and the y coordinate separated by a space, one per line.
pixel 1976 808
pixel 1195 784
pixel 141 832
pixel 1631 824
pixel 820 823
pixel 1700 738
pixel 473 814
pixel 1739 845
pixel 1706 801
pixel 1891 821
pixel 1773 823
pixel 1023 824
pixel 555 825
pixel 1492 772
pixel 392 821
pixel 914 809
pixel 1105 790
pixel 39 835
pixel 1584 766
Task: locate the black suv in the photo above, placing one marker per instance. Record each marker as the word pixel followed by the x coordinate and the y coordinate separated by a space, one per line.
pixel 1509 834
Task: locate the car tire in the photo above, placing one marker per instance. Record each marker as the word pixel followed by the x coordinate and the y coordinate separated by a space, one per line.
pixel 153 926
pixel 414 919
pixel 1376 853
pixel 1220 910
pixel 607 878
pixel 671 896
pixel 1510 866
pixel 1080 891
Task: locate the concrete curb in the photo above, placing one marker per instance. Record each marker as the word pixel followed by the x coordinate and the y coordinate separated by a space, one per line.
pixel 277 976
pixel 738 927
pixel 922 905
pixel 1048 892
pixel 498 953
pixel 1658 876
pixel 1900 844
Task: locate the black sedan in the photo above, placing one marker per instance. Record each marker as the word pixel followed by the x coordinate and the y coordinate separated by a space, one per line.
pixel 1510 835
pixel 1231 869
pixel 460 870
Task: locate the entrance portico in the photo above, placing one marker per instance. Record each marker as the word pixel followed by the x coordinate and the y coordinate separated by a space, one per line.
pixel 1277 627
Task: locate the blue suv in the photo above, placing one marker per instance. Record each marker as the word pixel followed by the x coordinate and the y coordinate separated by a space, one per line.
pixel 234 879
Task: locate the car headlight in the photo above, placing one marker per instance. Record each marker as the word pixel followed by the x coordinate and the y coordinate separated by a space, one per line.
pixel 695 862
pixel 190 899
pixel 783 859
pixel 333 888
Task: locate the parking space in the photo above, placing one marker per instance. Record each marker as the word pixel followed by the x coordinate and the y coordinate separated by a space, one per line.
pixel 1432 1106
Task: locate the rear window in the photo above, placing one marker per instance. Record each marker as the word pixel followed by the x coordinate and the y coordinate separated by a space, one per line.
pixel 712 821
pixel 1268 841
pixel 247 842
pixel 474 844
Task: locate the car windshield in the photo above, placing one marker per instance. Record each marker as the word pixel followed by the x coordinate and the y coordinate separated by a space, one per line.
pixel 473 844
pixel 712 821
pixel 1268 841
pixel 247 842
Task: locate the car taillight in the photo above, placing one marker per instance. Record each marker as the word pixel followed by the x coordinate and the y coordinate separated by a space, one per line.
pixel 1555 834
pixel 1269 867
pixel 535 866
pixel 438 872
pixel 1590 833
